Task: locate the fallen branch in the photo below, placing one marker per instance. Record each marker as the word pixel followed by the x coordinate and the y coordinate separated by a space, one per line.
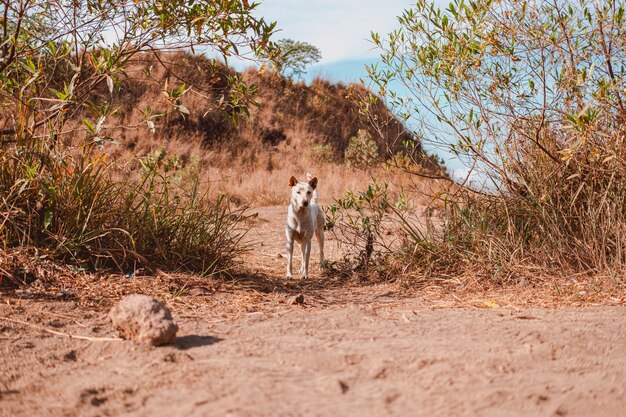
pixel 71 336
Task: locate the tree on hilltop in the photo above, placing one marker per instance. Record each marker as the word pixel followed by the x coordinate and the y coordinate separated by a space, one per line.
pixel 294 57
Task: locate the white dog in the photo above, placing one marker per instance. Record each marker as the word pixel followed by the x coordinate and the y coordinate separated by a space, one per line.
pixel 304 218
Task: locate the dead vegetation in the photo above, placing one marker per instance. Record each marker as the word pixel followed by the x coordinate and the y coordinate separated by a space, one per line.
pixel 158 176
pixel 530 98
pixel 289 128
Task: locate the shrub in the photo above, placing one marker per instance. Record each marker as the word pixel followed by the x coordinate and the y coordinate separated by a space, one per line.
pixel 529 94
pixel 362 151
pixel 400 160
pixel 90 212
pixel 62 64
pixel 322 152
pixel 356 221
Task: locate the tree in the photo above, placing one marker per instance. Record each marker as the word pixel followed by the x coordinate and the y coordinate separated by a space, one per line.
pixel 62 63
pixel 489 79
pixel 294 57
pixel 54 53
pixel 531 93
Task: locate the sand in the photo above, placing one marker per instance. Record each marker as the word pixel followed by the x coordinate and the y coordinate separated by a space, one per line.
pixel 345 351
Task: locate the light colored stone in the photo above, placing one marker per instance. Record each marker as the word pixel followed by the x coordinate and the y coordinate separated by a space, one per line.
pixel 143 319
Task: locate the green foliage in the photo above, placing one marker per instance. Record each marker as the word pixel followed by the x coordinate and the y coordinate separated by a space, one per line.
pixel 400 160
pixel 531 95
pixel 61 67
pixel 487 76
pixel 322 152
pixel 81 209
pixel 294 57
pixel 362 151
pixel 356 221
pixel 55 54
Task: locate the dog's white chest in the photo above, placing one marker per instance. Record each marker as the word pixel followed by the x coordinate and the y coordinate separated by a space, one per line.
pixel 300 225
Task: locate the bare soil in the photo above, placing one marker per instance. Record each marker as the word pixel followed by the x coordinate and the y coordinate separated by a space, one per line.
pixel 366 350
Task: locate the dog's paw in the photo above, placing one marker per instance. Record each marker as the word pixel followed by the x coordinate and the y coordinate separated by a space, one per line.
pixel 288 276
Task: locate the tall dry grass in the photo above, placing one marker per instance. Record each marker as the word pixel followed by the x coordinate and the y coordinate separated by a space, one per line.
pixel 560 220
pixel 250 162
pixel 83 207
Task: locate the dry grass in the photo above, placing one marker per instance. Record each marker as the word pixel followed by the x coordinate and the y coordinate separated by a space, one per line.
pixel 251 162
pixel 561 219
pixel 218 299
pixel 77 205
pixel 152 199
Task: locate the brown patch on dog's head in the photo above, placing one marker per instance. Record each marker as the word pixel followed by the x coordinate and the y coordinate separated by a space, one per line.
pixel 292 181
pixel 313 183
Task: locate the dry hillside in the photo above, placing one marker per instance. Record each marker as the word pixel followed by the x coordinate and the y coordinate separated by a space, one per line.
pixel 291 127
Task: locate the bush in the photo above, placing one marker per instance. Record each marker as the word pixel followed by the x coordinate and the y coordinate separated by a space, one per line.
pixel 63 63
pixel 89 212
pixel 544 136
pixel 362 151
pixel 400 160
pixel 356 222
pixel 322 152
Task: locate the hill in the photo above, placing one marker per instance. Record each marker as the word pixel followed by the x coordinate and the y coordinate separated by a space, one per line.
pixel 289 126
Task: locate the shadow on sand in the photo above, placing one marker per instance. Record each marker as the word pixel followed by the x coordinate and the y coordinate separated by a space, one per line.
pixel 194 340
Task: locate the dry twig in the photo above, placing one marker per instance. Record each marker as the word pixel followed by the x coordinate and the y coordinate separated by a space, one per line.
pixel 71 336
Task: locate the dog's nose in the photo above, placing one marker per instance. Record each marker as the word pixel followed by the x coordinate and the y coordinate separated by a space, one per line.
pixel 305 204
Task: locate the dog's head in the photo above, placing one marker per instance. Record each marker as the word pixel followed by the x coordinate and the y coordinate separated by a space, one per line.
pixel 301 192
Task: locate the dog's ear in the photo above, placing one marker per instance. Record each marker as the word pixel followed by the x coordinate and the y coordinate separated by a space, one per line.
pixel 292 181
pixel 313 183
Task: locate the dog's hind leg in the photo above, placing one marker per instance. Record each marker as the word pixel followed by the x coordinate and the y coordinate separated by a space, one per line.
pixel 320 241
pixel 319 234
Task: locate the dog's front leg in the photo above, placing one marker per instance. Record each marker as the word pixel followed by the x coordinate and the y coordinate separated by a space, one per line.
pixel 289 253
pixel 306 255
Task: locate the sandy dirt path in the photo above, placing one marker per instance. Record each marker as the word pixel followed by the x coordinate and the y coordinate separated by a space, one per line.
pixel 345 352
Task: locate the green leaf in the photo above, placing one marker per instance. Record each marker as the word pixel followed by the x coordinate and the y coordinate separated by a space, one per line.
pixel 47 218
pixel 90 126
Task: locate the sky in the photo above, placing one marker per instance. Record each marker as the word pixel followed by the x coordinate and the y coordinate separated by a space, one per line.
pixel 341 30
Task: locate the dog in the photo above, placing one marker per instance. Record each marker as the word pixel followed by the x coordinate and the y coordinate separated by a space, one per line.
pixel 304 219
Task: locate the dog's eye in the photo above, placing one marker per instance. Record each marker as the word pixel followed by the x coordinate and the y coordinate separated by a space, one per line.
pixel 308 192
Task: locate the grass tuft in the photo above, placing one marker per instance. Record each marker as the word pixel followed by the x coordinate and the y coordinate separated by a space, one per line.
pixel 78 206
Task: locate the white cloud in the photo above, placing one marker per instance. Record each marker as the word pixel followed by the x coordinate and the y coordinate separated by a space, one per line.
pixel 340 29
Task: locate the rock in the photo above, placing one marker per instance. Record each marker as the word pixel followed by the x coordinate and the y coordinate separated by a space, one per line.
pixel 344 387
pixel 70 356
pixel 143 319
pixel 298 299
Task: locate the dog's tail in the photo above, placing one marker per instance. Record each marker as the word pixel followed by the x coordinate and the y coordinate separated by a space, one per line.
pixel 316 195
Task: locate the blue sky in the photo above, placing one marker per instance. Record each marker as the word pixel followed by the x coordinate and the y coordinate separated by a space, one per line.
pixel 341 30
